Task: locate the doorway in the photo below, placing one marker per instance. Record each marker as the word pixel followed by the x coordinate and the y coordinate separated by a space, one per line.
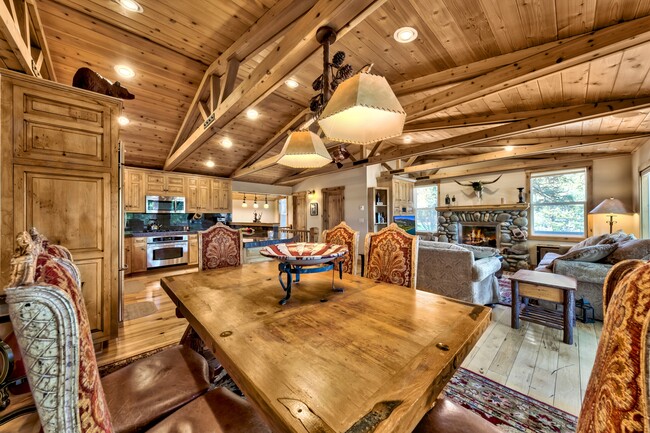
pixel 333 206
pixel 300 211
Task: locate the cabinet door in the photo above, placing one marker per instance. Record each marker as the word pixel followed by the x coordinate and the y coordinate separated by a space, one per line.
pixel 133 190
pixel 226 201
pixel 139 255
pixel 175 185
pixel 91 272
pixel 192 202
pixel 155 184
pixel 193 258
pixel 128 249
pixel 204 194
pixel 215 194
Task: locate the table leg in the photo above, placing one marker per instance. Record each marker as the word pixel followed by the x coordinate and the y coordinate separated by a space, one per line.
pixel 334 266
pixel 514 321
pixel 569 313
pixel 283 268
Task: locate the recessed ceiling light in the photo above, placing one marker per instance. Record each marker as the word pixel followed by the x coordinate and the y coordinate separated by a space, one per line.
pixel 405 35
pixel 210 164
pixel 123 120
pixel 508 148
pixel 408 139
pixel 226 143
pixel 124 71
pixel 291 83
pixel 131 5
pixel 252 113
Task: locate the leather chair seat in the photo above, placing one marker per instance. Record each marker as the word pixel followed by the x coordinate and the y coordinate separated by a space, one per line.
pixel 218 411
pixel 448 417
pixel 146 391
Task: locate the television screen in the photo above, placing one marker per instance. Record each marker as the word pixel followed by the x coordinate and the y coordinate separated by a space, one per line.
pixel 406 223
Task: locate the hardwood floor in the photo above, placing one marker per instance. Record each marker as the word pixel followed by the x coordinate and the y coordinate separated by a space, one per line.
pixel 532 360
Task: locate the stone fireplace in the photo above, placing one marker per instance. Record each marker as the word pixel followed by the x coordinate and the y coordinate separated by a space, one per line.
pixel 507 222
pixel 479 234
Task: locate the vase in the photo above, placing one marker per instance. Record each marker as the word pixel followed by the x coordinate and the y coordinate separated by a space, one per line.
pixel 521 195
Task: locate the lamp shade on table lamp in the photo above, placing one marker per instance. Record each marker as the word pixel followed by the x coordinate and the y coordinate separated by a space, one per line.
pixel 610 206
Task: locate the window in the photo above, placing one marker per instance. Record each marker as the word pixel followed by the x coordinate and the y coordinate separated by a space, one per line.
pixel 426 200
pixel 645 204
pixel 282 210
pixel 558 202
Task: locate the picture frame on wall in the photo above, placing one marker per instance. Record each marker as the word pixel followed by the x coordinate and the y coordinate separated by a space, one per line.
pixel 313 209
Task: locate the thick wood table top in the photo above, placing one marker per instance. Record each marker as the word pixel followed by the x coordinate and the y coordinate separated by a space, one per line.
pixel 371 359
pixel 546 279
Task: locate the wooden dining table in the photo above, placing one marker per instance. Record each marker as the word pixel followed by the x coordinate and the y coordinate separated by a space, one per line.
pixel 372 358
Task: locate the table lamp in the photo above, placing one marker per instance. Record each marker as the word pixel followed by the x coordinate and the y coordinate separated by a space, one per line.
pixel 610 206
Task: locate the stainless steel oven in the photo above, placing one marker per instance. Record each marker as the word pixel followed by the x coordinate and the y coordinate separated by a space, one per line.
pixel 164 204
pixel 167 250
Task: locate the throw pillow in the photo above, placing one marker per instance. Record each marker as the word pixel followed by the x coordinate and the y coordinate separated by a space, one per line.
pixel 593 240
pixel 481 252
pixel 593 253
pixel 631 249
pixel 619 236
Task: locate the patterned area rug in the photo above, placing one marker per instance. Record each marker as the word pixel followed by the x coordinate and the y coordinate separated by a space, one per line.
pixel 139 309
pixel 508 409
pixel 505 293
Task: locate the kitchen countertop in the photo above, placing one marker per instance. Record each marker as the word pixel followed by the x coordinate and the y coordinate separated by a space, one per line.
pixel 149 234
pixel 262 241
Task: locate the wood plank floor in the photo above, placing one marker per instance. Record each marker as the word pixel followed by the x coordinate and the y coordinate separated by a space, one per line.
pixel 532 360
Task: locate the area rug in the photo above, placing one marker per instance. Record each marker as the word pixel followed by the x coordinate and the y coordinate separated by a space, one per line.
pixel 133 286
pixel 506 408
pixel 138 310
pixel 505 293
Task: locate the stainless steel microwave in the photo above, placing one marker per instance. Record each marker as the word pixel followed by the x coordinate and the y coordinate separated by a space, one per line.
pixel 162 204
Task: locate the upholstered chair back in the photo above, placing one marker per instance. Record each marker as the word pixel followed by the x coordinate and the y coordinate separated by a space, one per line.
pixel 49 318
pixel 220 247
pixel 616 399
pixel 392 256
pixel 343 234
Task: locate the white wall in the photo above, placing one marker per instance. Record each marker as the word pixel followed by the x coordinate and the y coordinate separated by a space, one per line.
pixel 612 178
pixel 247 187
pixel 505 187
pixel 241 214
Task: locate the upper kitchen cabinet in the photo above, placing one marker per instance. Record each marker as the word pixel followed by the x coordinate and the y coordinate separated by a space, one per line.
pixel 165 184
pixel 221 192
pixel 198 194
pixel 133 190
pixel 59 173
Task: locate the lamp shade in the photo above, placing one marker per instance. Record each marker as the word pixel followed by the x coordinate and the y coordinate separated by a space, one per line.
pixel 610 206
pixel 362 110
pixel 304 149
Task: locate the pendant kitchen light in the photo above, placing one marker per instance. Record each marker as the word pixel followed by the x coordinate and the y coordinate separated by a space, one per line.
pixel 255 205
pixel 244 204
pixel 304 149
pixel 266 201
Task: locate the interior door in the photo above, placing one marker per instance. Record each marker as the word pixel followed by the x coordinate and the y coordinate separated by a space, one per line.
pixel 333 206
pixel 300 211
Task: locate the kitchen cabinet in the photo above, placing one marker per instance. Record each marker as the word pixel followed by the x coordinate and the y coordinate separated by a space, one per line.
pixel 139 255
pixel 220 193
pixel 165 184
pixel 401 198
pixel 60 163
pixel 128 249
pixel 198 194
pixel 133 190
pixel 193 250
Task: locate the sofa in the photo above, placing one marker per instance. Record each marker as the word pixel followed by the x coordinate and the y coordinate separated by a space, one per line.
pixel 452 270
pixel 590 260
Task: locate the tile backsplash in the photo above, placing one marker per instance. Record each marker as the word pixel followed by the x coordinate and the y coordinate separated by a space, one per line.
pixel 176 221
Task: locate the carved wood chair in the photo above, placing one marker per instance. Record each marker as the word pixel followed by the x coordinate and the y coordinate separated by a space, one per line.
pixel 342 234
pixel 617 395
pixel 50 321
pixel 220 247
pixel 392 256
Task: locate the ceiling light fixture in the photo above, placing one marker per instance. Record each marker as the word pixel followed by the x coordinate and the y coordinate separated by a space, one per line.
pixel 252 113
pixel 131 5
pixel 509 148
pixel 124 71
pixel 210 164
pixel 404 35
pixel 255 205
pixel 408 139
pixel 226 143
pixel 244 204
pixel 291 83
pixel 123 120
pixel 266 201
pixel 304 149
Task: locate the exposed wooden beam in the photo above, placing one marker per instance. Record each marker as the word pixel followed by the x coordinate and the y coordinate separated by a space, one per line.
pixel 298 44
pixel 570 115
pixel 230 78
pixel 258 166
pixel 375 148
pixel 16 32
pixel 215 91
pixel 573 52
pixel 553 145
pixel 559 161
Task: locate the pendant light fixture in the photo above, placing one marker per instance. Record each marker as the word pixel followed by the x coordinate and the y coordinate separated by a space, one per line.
pixel 255 205
pixel 304 149
pixel 244 204
pixel 266 201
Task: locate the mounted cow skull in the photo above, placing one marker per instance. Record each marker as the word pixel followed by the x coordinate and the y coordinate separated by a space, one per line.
pixel 478 186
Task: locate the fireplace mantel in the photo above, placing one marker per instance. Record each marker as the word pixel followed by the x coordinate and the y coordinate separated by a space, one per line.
pixel 484 207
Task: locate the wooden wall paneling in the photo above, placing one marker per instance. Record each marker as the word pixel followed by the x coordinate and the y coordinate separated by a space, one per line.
pixel 574 84
pixel 575 17
pixel 128 254
pixel 633 70
pixel 538 18
pixel 506 24
pixel 139 255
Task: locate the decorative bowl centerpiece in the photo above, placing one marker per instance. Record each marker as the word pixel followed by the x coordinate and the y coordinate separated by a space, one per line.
pixel 303 253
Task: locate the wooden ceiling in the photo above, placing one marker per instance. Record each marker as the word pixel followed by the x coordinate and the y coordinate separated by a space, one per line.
pixel 481 75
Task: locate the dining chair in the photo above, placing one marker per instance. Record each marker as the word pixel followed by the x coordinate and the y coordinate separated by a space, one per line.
pixel 392 256
pixel 220 247
pixel 343 234
pixel 617 395
pixel 51 325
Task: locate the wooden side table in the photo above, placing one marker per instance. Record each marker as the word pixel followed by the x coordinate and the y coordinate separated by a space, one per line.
pixel 548 287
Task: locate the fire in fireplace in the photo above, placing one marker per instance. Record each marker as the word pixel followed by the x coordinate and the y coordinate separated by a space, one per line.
pixel 479 234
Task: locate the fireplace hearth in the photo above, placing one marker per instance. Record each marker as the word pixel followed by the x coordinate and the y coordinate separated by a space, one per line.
pixel 482 234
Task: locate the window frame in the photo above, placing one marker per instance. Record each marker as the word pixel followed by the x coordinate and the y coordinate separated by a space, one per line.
pixel 588 204
pixel 434 209
pixel 644 204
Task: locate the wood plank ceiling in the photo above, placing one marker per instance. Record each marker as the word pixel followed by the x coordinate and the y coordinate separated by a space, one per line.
pixel 172 43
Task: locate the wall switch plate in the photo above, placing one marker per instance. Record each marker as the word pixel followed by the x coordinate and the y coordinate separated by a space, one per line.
pixel 361 207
